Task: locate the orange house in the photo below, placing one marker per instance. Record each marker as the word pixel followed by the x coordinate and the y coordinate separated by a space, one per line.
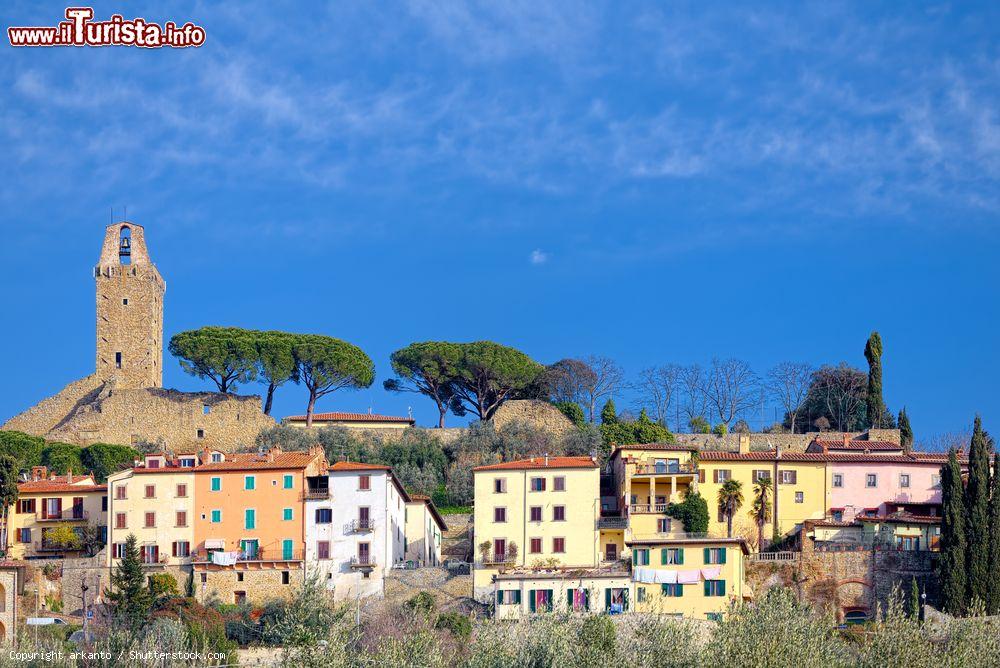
pixel 249 507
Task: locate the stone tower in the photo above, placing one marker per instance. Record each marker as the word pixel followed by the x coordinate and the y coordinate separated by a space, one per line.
pixel 129 310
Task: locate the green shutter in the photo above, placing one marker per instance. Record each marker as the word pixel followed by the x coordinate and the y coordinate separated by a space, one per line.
pixel 708 555
pixel 586 600
pixel 517 596
pixel 722 587
pixel 635 556
pixel 548 605
pixel 531 600
pixel 663 556
pixel 625 601
pixel 569 597
pixel 722 555
pixel 607 599
pixel 708 587
pixel 678 589
pixel 680 555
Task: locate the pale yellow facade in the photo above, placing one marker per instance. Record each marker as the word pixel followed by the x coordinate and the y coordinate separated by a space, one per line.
pixel 49 503
pixel 511 510
pixel 424 529
pixel 157 506
pixel 801 490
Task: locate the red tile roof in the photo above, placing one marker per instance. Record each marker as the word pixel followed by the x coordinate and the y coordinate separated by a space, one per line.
pixel 256 462
pixel 857 445
pixel 759 456
pixel 351 417
pixel 666 447
pixel 59 484
pixel 542 463
pixel 356 466
pixel 841 457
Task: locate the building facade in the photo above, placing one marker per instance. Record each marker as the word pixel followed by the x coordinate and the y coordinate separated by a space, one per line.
pixel 424 529
pixel 55 516
pixel 355 527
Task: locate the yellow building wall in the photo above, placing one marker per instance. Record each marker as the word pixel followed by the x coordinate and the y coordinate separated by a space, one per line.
pixel 560 587
pixel 693 603
pixel 580 498
pixel 633 479
pixel 165 504
pixel 811 480
pixel 92 506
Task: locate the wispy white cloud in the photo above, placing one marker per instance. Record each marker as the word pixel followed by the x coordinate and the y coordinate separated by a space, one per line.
pixel 538 256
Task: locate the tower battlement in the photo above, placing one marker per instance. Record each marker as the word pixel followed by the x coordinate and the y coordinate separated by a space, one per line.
pixel 129 310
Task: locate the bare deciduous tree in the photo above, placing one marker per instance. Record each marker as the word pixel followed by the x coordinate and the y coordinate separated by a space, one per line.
pixel 788 383
pixel 568 380
pixel 731 389
pixel 657 390
pixel 692 379
pixel 606 381
pixel 841 392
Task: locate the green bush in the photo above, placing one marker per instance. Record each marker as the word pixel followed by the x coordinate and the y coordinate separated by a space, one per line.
pixel 423 603
pixel 458 624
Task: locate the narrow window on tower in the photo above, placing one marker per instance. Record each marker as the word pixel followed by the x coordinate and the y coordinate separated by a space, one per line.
pixel 118 360
pixel 125 302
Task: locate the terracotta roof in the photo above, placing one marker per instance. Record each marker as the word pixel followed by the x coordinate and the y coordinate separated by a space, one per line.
pixel 356 466
pixel 352 417
pixel 844 457
pixel 61 483
pixel 541 463
pixel 257 462
pixel 831 523
pixel 858 445
pixel 902 518
pixel 666 447
pixel 760 456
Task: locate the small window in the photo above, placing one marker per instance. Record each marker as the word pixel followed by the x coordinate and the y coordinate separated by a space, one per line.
pixel 559 513
pixel 538 484
pixel 182 518
pixel 150 491
pixel 182 491
pixel 286 514
pixel 206 409
pixel 787 477
pixel 871 480
pixel 125 301
pixel 715 587
pixel 204 576
pixel 249 518
pixel 201 433
pixel 120 492
pixel 216 516
pixel 663 525
pixel 559 483
pixel 799 497
pixel 239 597
pixel 535 546
pixel 935 480
pixel 499 485
pixel 499 514
pixel 323 549
pixel 285 577
pixel 837 515
pixel 249 482
pixel 559 545
pixel 324 516
pixel 838 479
pixel 535 514
pixel 118 360
pixel 216 457
pixel 904 479
pixel 239 576
pixel 288 481
pixel 640 594
pixel 722 475
pixel 216 484
pixel 364 482
pixel 150 520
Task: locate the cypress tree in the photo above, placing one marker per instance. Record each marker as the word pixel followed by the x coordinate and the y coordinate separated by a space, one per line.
pixel 993 603
pixel 951 565
pixel 128 597
pixel 977 517
pixel 905 431
pixel 913 603
pixel 875 404
pixel 609 414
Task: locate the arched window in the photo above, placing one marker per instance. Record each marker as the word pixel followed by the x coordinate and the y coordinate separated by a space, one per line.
pixel 855 617
pixel 125 245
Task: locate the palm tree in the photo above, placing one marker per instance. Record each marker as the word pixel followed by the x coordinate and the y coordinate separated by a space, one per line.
pixel 761 511
pixel 730 500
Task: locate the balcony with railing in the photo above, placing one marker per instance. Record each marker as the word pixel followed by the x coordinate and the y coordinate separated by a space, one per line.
pixel 498 559
pixel 262 555
pixel 361 526
pixel 685 468
pixel 646 508
pixel 363 562
pixel 316 494
pixel 46 546
pixel 71 515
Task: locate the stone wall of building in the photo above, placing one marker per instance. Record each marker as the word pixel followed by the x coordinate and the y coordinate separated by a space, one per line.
pixel 8 605
pixel 261 585
pixel 44 416
pixel 537 414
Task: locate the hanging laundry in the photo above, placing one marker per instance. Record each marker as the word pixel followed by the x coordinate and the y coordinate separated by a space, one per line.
pixel 688 577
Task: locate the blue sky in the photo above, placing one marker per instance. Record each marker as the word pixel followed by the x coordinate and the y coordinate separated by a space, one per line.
pixel 648 182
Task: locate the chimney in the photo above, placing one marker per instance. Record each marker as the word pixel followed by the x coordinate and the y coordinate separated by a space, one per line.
pixel 39 473
pixel 69 475
pixel 744 444
pixel 777 451
pixel 546 459
pixel 847 439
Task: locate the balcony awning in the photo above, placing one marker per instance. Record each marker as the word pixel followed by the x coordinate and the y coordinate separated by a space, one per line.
pixel 215 544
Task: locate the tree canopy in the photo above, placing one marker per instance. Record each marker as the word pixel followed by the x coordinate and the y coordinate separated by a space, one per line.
pixel 275 362
pixel 326 364
pixel 876 413
pixel 429 368
pixel 836 399
pixel 103 459
pixel 488 374
pixel 225 355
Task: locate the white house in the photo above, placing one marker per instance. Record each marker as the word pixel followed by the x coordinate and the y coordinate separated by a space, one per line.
pixel 355 527
pixel 424 529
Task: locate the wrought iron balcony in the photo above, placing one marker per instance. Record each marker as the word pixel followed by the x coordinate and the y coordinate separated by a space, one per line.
pixel 362 526
pixel 498 559
pixel 362 562
pixel 665 469
pixel 317 494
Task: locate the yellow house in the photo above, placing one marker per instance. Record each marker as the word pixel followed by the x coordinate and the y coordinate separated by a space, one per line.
pixel 424 529
pixel 47 506
pixel 155 502
pixel 799 490
pixel 534 515
pixel 688 576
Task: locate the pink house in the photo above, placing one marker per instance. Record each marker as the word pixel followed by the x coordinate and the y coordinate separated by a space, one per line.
pixel 877 484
